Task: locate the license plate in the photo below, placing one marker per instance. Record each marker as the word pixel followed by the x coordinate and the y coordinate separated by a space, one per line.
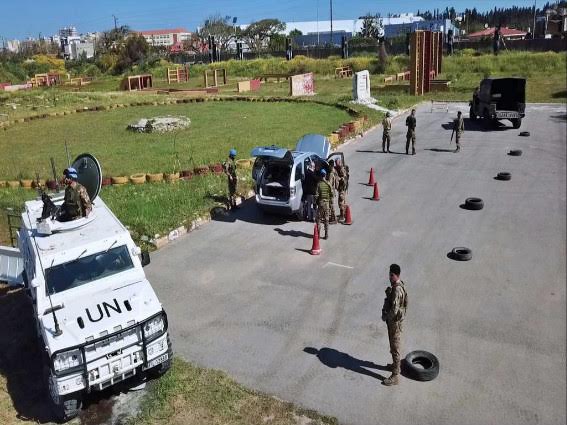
pixel 508 115
pixel 157 361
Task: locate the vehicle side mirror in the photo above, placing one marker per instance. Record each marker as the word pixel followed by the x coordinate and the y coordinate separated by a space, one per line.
pixel 34 283
pixel 145 258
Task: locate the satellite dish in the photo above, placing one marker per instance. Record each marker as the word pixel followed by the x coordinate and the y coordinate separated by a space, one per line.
pixel 89 173
pixel 485 26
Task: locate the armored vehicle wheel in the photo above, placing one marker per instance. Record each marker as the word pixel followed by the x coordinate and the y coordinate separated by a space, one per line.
pixel 162 368
pixel 461 254
pixel 421 366
pixel 515 152
pixel 517 122
pixel 504 176
pixel 66 407
pixel 474 204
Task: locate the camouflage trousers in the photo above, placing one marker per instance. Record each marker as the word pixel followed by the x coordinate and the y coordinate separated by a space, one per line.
pixel 394 335
pixel 323 216
pixel 458 139
pixel 332 214
pixel 342 203
pixel 410 137
pixel 231 193
pixel 386 141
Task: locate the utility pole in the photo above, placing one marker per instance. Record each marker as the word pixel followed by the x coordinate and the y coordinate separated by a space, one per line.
pixel 533 30
pixel 317 23
pixel 115 22
pixel 331 4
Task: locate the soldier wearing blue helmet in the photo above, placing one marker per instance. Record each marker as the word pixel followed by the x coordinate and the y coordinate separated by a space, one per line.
pixel 76 203
pixel 229 167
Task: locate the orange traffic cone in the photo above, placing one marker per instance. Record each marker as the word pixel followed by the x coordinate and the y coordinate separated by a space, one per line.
pixel 371 180
pixel 376 195
pixel 348 218
pixel 315 249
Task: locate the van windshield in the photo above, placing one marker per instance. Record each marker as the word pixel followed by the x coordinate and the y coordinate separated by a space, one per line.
pixel 79 272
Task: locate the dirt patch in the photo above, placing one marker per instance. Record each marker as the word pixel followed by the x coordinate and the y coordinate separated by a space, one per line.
pixel 160 124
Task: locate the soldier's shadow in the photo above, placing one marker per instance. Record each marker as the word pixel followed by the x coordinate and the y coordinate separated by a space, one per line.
pixel 333 358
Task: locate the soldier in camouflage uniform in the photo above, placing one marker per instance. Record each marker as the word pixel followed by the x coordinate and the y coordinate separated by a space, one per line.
pixel 323 199
pixel 458 128
pixel 76 203
pixel 342 190
pixel 387 126
pixel 410 136
pixel 229 167
pixel 333 180
pixel 393 313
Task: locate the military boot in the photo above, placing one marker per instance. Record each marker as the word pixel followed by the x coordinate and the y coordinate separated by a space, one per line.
pixel 393 379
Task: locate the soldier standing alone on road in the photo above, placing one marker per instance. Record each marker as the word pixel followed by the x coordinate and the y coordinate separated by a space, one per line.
pixel 458 129
pixel 393 313
pixel 229 167
pixel 342 189
pixel 323 198
pixel 387 126
pixel 76 203
pixel 410 136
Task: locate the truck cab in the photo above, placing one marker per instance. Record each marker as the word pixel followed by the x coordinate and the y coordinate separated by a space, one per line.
pixel 500 98
pixel 97 317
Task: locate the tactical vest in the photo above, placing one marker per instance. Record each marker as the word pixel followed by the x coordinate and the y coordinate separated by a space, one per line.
pixel 72 202
pixel 403 304
pixel 324 191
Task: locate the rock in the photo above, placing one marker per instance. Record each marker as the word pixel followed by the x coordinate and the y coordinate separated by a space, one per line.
pixel 160 124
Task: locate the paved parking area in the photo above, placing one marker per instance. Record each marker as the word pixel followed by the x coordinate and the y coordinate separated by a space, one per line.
pixel 244 296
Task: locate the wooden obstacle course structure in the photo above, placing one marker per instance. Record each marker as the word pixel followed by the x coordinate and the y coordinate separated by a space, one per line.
pixel 214 75
pixel 178 74
pixel 46 80
pixel 137 82
pixel 426 55
pixel 248 85
pixel 343 72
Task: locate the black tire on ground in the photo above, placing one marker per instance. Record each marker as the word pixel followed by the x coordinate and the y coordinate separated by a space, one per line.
pixel 474 204
pixel 64 408
pixel 162 368
pixel 515 152
pixel 461 253
pixel 504 176
pixel 427 367
pixel 516 122
pixel 524 133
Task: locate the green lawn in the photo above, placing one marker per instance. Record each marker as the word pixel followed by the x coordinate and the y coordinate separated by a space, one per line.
pixel 215 128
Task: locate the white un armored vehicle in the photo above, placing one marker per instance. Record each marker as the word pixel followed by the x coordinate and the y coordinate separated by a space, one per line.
pixel 98 318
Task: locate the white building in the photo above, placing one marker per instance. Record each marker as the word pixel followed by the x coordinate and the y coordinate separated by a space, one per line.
pixel 352 26
pixel 166 37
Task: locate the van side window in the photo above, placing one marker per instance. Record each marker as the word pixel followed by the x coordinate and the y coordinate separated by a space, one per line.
pixel 298 172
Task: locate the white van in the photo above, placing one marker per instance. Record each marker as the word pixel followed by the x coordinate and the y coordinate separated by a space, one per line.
pixel 279 174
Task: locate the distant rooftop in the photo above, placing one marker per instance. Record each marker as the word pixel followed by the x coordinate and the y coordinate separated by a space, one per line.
pixel 164 31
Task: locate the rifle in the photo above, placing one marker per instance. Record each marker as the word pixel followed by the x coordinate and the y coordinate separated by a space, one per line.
pixel 452 134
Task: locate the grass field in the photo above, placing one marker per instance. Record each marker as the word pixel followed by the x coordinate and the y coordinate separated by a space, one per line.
pixel 215 128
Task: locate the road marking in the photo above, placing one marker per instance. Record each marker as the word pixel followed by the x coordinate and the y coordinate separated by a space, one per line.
pixel 338 265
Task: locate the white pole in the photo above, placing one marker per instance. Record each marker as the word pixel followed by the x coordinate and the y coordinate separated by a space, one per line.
pixel 317 22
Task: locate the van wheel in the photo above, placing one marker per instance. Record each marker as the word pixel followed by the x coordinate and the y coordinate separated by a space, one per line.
pixel 63 407
pixel 517 122
pixel 162 368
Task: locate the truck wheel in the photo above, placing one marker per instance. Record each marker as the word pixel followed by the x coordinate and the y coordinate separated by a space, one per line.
pixel 472 115
pixel 63 407
pixel 162 368
pixel 517 122
pixel 461 253
pixel 474 204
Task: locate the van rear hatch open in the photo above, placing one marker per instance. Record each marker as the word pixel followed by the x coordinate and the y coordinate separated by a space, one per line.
pixel 271 172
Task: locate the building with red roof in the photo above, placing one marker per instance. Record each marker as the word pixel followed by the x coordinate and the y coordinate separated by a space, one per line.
pixel 506 33
pixel 166 37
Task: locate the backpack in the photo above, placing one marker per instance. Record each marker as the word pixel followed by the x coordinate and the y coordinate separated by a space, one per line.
pixel 404 303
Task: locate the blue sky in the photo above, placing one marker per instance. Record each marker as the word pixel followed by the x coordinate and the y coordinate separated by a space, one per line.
pixel 31 17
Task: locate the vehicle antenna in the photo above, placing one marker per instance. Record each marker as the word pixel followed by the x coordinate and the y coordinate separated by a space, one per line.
pixel 54 174
pixel 68 156
pixel 58 331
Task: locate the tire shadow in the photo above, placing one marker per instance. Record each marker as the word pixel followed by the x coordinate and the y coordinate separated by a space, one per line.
pixel 440 150
pixel 293 233
pixel 336 359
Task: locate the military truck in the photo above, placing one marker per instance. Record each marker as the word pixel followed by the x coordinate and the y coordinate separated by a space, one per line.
pixel 97 317
pixel 498 99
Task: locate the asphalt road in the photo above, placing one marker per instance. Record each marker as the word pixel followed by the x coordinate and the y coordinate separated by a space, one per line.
pixel 243 295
